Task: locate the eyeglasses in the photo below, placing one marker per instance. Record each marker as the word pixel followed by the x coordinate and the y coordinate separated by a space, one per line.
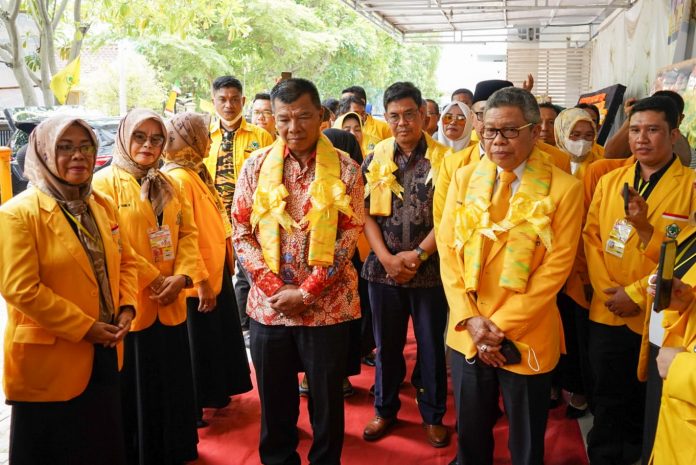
pixel 156 140
pixel 459 120
pixel 408 116
pixel 479 115
pixel 69 149
pixel 265 113
pixel 507 133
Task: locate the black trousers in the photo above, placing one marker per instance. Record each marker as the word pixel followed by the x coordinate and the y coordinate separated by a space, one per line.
pixel 279 353
pixel 391 308
pixel 362 341
pixel 477 388
pixel 616 437
pixel 85 430
pixel 241 292
pixel 653 398
pixel 569 373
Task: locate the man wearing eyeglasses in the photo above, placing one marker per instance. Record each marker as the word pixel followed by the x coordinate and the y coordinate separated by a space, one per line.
pixel 475 152
pixel 402 270
pixel 262 114
pixel 506 250
pixel 232 142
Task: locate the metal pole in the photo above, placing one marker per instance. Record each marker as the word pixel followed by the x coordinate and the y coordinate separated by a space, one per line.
pixel 5 175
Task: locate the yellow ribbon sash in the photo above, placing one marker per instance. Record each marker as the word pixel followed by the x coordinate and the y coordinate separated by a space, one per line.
pixel 327 196
pixel 528 218
pixel 381 182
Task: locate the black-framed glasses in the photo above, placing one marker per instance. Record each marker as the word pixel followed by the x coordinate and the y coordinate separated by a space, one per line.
pixel 156 140
pixel 507 133
pixel 408 116
pixel 69 149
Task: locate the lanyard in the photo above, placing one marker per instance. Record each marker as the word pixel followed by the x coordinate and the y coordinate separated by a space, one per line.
pixel 78 224
pixel 643 186
pixel 679 260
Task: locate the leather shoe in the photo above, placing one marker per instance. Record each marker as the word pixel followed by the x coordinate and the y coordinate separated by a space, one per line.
pixel 377 428
pixel 438 435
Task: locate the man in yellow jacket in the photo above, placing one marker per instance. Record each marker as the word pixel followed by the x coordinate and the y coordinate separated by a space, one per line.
pixel 505 254
pixel 233 141
pixel 377 128
pixel 622 246
pixel 476 150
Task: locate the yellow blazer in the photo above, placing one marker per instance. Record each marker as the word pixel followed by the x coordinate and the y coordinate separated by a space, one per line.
pixel 532 318
pixel 559 157
pixel 212 242
pixel 379 129
pixel 247 139
pixel 138 217
pixel 674 194
pixel 449 166
pixel 472 154
pixel 676 426
pixel 52 294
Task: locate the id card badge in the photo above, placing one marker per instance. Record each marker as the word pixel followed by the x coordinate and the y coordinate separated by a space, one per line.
pixel 161 243
pixel 618 237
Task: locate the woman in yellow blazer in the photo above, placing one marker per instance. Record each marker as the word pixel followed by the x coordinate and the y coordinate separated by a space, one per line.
pixel 575 134
pixel 159 402
pixel 69 280
pixel 220 363
pixel 352 123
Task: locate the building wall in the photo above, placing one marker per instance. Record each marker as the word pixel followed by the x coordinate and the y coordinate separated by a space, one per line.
pixel 631 46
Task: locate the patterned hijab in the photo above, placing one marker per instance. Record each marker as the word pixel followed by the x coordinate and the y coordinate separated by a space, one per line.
pixel 188 143
pixel 41 169
pixel 154 187
pixel 463 141
pixel 564 124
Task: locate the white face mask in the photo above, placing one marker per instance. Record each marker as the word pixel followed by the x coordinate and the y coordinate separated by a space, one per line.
pixel 578 148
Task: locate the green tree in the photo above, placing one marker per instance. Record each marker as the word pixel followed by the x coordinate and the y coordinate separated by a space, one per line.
pixel 32 52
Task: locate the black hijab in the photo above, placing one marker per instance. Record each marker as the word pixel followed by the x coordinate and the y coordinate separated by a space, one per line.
pixel 343 140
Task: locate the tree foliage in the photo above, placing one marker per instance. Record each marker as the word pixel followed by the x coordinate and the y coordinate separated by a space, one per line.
pixel 256 40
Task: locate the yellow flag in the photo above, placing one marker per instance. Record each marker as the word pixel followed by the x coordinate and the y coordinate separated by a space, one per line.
pixel 171 101
pixel 65 79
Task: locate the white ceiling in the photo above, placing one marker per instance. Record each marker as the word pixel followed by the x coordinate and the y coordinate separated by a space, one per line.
pixel 570 22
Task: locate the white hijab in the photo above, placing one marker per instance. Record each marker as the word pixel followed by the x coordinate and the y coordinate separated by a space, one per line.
pixel 463 141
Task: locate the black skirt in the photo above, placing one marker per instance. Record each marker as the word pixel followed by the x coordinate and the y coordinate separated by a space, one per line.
pixel 158 401
pixel 86 430
pixel 218 354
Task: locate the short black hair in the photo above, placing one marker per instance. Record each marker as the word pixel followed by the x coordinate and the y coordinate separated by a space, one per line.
pixel 290 90
pixel 661 104
pixel 355 90
pixel 224 82
pixel 434 103
pixel 462 91
pixel 589 106
pixel 325 114
pixel 261 96
pixel 344 104
pixel 676 98
pixel 550 106
pixel 402 90
pixel 331 104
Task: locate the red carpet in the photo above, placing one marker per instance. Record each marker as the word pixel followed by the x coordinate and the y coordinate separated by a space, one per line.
pixel 233 434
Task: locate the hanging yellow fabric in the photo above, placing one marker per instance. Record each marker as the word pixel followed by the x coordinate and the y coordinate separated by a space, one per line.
pixel 527 218
pixel 327 195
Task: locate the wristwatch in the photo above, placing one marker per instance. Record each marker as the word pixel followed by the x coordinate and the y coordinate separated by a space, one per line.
pixel 422 254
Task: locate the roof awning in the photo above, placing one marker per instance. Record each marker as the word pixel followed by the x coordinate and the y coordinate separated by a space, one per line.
pixel 571 22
